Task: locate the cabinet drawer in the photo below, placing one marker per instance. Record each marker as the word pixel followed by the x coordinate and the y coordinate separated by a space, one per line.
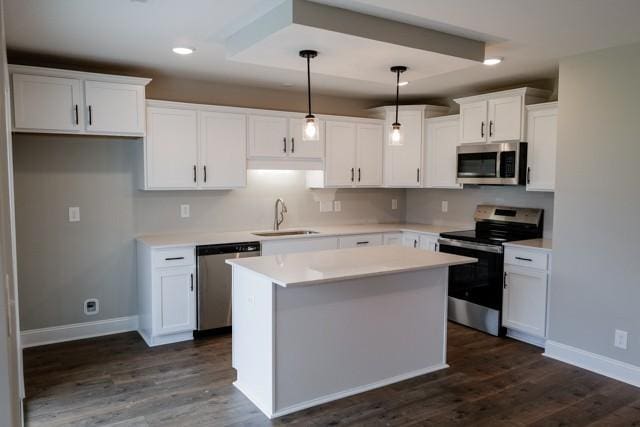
pixel 360 240
pixel 525 258
pixel 173 257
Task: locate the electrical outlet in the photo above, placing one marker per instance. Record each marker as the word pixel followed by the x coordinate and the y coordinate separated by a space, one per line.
pixel 91 306
pixel 185 211
pixel 337 206
pixel 74 214
pixel 445 206
pixel 394 204
pixel 620 339
pixel 326 206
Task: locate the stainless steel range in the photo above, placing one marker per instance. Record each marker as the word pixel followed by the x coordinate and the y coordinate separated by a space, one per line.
pixel 475 290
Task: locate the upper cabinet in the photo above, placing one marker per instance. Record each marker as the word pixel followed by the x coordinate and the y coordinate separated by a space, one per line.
pixel 268 136
pixel 403 163
pixel 192 147
pixel 498 116
pixel 441 140
pixel 47 100
pixel 542 136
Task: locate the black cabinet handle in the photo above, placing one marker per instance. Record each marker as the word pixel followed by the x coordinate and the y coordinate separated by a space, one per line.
pixel 90 116
pixel 362 243
pixel 418 175
pixel 284 145
pixel 359 175
pixel 293 145
pixel 205 173
pixel 415 243
pixel 482 129
pixel 352 174
pixel 490 127
pixel 524 259
pixel 77 115
pixel 175 258
pixel 504 281
pixel 195 174
pixel 191 282
pixel 528 174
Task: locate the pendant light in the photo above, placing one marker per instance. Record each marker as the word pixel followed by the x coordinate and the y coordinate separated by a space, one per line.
pixel 395 138
pixel 310 128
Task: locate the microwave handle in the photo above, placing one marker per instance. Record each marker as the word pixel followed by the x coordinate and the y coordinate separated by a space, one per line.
pixel 498 163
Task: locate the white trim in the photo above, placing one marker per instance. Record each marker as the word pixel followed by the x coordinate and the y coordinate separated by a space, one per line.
pixel 165 339
pixel 77 331
pixel 58 72
pixel 340 394
pixel 603 365
pixel 523 91
pixel 528 338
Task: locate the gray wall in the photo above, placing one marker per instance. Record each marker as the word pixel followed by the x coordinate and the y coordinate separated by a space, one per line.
pixel 425 205
pixel 61 264
pixel 595 287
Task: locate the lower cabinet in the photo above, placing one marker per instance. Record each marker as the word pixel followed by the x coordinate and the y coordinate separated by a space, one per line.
pixel 360 240
pixel 411 240
pixel 166 294
pixel 426 241
pixel 287 246
pixel 392 239
pixel 525 289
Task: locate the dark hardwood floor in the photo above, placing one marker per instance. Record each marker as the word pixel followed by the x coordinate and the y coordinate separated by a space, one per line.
pixel 118 380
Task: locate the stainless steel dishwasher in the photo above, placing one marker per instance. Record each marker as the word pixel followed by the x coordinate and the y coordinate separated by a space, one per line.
pixel 214 283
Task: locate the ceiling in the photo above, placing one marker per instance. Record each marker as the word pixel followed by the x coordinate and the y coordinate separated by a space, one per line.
pixel 531 35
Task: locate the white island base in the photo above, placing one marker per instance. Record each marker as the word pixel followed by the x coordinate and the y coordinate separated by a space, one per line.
pixel 301 344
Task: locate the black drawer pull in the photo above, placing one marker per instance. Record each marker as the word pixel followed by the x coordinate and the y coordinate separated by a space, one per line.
pixel 362 243
pixel 175 258
pixel 524 259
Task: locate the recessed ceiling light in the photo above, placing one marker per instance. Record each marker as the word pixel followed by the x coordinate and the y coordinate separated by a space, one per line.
pixel 492 61
pixel 403 83
pixel 183 50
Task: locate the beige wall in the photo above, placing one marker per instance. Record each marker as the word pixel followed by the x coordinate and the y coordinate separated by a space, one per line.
pixel 61 264
pixel 595 286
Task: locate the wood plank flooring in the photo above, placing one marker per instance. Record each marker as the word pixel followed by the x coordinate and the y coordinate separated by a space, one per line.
pixel 119 381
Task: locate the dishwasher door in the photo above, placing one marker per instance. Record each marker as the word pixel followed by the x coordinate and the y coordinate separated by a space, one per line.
pixel 214 289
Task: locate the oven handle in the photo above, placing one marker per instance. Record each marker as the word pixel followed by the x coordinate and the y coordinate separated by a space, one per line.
pixel 470 245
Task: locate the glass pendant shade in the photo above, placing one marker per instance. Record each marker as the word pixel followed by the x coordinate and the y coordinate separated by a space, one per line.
pixel 310 128
pixel 395 137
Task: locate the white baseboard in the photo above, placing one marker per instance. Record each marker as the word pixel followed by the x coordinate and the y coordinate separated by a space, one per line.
pixel 77 331
pixel 603 365
pixel 524 337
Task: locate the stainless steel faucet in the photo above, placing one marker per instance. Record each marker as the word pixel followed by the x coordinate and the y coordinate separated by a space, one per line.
pixel 278 216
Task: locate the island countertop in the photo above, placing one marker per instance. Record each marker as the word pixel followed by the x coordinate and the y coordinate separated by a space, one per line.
pixel 302 269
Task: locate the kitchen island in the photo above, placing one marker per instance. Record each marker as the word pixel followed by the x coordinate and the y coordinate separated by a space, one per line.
pixel 309 328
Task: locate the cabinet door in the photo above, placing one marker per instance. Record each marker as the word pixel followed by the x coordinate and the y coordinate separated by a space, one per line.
pixel 429 243
pixel 360 241
pixel 441 159
pixel 304 149
pixel 174 301
pixel 505 119
pixel 525 300
pixel 288 246
pixel 114 108
pixel 473 122
pixel 411 240
pixel 340 153
pixel 369 155
pixel 223 156
pixel 268 136
pixel 403 163
pixel 392 239
pixel 541 151
pixel 171 148
pixel 47 103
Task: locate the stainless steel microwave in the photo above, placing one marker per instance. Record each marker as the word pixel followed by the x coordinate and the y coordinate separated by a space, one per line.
pixel 501 163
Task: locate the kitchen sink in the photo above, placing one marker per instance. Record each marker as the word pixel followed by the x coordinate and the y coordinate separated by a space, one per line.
pixel 283 233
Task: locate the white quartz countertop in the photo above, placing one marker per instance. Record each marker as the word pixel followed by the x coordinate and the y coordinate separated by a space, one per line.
pixel 213 238
pixel 537 244
pixel 311 268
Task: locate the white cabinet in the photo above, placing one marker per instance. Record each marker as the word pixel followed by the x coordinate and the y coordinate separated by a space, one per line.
pixel 525 290
pixel 392 239
pixel 47 103
pixel 498 116
pixel 188 147
pixel 428 242
pixel 171 148
pixel 280 137
pixel 47 100
pixel 222 157
pixel 542 137
pixel 353 155
pixel 402 167
pixel 360 240
pixel 114 107
pixel 411 240
pixel 287 246
pixel 441 140
pixel 166 294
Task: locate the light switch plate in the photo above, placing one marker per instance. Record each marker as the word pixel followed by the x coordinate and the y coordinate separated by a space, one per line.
pixel 445 206
pixel 394 204
pixel 74 214
pixel 620 339
pixel 337 206
pixel 185 211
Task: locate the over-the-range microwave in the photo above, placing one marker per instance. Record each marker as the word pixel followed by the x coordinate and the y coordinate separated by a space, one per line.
pixel 502 163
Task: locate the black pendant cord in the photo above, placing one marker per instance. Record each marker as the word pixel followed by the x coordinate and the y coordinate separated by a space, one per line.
pixel 309 82
pixel 397 93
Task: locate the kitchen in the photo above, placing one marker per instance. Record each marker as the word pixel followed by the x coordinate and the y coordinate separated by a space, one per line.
pixel 138 201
